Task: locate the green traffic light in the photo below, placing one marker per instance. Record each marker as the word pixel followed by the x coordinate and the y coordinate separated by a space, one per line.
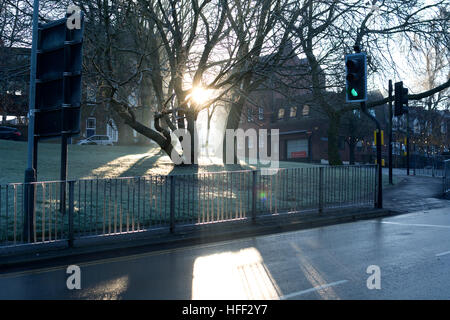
pixel 354 92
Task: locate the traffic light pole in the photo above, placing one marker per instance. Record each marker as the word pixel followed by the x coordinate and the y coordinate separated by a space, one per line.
pixel 64 133
pixel 407 143
pixel 379 202
pixel 390 132
pixel 30 172
pixel 63 172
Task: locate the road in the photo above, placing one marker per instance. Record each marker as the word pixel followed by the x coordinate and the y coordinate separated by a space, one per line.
pixel 411 250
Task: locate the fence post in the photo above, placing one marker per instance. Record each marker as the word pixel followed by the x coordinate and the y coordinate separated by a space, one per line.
pixel 446 178
pixel 375 183
pixel 254 176
pixel 71 210
pixel 320 190
pixel 172 204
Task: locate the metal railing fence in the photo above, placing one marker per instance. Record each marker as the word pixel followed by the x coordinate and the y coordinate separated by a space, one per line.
pixel 427 166
pixel 446 178
pixel 422 165
pixel 98 207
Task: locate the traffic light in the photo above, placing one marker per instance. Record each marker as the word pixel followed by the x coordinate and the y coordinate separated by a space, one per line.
pixel 356 77
pixel 58 80
pixel 401 99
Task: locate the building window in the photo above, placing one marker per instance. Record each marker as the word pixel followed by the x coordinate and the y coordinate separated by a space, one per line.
pixel 416 126
pixel 249 115
pixel 280 113
pixel 293 112
pixel 429 127
pixel 395 123
pixel 261 113
pixel 133 99
pixel 305 111
pixel 90 123
pixel 111 130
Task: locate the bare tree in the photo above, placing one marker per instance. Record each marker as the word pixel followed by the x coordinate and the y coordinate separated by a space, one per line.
pixel 179 48
pixel 330 29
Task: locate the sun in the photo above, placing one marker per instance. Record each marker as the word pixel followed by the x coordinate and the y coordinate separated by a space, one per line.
pixel 200 95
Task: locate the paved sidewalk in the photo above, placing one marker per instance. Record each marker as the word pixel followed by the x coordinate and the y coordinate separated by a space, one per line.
pixel 415 193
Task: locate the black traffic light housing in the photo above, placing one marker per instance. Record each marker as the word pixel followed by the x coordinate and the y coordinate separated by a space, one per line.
pixel 58 80
pixel 356 77
pixel 401 99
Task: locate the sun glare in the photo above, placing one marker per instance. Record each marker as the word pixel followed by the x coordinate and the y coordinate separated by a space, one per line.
pixel 242 276
pixel 200 95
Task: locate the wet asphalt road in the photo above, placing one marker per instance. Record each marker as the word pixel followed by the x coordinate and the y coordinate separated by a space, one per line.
pixel 412 251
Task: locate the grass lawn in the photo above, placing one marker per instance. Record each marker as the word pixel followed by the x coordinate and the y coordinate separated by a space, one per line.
pixel 106 162
pixel 101 162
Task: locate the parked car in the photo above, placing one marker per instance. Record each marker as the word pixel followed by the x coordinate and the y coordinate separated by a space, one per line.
pixel 98 140
pixel 9 133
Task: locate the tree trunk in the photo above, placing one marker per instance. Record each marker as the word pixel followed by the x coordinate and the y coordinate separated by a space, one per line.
pixel 232 123
pixel 191 129
pixel 208 128
pixel 333 138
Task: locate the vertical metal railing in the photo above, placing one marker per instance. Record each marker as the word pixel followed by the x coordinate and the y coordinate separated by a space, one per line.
pixel 48 218
pixel 126 205
pixel 428 166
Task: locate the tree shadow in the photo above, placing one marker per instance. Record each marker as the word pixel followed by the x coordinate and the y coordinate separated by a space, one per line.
pixel 142 166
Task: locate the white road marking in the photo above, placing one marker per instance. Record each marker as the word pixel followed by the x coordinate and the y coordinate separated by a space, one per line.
pixel 443 254
pixel 417 224
pixel 298 293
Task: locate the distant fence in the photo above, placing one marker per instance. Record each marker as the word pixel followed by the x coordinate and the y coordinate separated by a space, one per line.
pixel 446 178
pixel 421 165
pixel 98 207
pixel 427 166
